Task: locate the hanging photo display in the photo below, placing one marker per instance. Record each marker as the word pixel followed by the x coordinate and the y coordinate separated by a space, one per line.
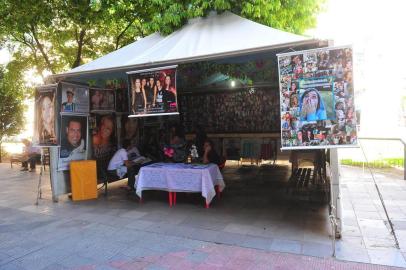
pixel 73 140
pixel 102 99
pixel 44 124
pixel 104 139
pixel 129 129
pixel 75 98
pixel 153 92
pixel 122 104
pixel 317 99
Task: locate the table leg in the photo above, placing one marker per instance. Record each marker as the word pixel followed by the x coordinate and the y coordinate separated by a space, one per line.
pixel 170 199
pixel 218 192
pixel 174 198
pixel 207 205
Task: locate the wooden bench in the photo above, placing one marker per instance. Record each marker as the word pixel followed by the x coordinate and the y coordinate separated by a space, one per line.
pixel 15 158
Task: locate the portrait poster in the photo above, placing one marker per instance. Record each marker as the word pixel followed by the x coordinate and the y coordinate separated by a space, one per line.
pixel 122 103
pixel 104 139
pixel 153 92
pixel 129 129
pixel 73 138
pixel 102 99
pixel 45 125
pixel 317 99
pixel 74 98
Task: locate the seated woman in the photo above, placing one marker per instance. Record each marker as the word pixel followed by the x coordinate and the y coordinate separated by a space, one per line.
pixel 210 155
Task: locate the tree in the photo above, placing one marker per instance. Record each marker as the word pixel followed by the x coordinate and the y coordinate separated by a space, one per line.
pixel 12 94
pixel 57 35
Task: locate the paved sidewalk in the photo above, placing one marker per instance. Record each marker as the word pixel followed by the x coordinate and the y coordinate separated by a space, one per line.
pixel 119 233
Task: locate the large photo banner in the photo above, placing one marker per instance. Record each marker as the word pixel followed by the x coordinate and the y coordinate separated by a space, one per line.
pixel 73 140
pixel 153 92
pixel 317 99
pixel 45 126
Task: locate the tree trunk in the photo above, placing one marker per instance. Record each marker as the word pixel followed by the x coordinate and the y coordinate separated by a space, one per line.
pixel 80 46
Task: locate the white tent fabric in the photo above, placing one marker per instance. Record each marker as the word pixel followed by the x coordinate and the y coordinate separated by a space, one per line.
pixel 213 35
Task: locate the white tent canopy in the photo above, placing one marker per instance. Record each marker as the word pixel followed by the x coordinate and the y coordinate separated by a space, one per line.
pixel 200 38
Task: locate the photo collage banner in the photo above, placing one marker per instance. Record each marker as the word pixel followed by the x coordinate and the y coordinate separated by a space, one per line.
pixel 317 99
pixel 153 92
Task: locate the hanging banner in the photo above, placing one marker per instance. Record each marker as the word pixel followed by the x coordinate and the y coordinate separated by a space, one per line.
pixel 153 92
pixel 317 99
pixel 104 138
pixel 73 140
pixel 45 124
pixel 75 98
pixel 102 99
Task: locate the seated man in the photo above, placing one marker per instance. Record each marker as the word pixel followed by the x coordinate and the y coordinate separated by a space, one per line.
pixel 120 166
pixel 30 155
pixel 127 161
pixel 210 155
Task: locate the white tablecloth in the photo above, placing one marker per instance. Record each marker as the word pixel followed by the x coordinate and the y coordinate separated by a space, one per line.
pixel 179 177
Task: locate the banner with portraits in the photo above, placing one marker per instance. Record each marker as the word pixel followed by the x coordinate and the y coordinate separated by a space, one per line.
pixel 45 124
pixel 153 92
pixel 73 138
pixel 317 99
pixel 75 98
pixel 102 99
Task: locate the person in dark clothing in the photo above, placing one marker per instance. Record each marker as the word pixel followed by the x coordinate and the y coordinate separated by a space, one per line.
pixel 210 155
pixel 201 137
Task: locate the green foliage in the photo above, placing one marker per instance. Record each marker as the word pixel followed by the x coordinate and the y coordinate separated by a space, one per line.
pixel 382 163
pixel 12 94
pixel 57 35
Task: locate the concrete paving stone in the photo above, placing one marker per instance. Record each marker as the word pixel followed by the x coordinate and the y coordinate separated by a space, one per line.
pixel 156 267
pixel 237 228
pixel 290 233
pixel 181 230
pixel 55 266
pixel 376 233
pixel 13 266
pixel 320 238
pixel 102 267
pixel 101 252
pixel 118 260
pixel 283 245
pixel 197 256
pixel 387 257
pixel 155 217
pixel 350 222
pixel 368 214
pixel 230 238
pixel 205 235
pixel 353 255
pixel 317 249
pixel 207 224
pixel 257 242
pixel 139 224
pixel 379 243
pixel 21 247
pixel 75 262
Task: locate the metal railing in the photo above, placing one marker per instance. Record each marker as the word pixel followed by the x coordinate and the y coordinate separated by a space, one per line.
pixel 391 139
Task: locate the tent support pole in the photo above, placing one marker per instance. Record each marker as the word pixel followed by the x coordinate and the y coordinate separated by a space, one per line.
pixel 53 164
pixel 335 191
